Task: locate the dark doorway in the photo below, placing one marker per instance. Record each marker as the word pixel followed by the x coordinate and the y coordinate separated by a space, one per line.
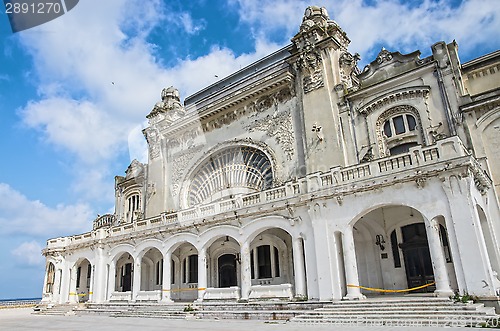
pixel 127 277
pixel 227 270
pixel 417 257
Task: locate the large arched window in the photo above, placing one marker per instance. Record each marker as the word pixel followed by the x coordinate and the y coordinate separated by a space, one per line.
pixel 399 129
pixel 133 207
pixel 236 169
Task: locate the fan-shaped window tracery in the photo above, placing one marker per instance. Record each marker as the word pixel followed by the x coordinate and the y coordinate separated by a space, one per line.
pixel 238 169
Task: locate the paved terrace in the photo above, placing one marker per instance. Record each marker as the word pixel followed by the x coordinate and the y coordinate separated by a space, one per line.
pixel 419 163
pixel 22 319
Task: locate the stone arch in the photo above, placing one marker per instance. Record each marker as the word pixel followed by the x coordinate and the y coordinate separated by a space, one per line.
pixel 179 239
pixel 144 246
pixel 411 258
pixel 198 164
pixel 258 225
pixel 116 252
pixel 209 236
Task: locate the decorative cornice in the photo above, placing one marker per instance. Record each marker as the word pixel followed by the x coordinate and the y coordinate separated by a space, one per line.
pixel 407 93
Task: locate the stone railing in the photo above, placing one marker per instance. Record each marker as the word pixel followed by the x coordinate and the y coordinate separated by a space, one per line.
pixel 104 221
pixel 419 156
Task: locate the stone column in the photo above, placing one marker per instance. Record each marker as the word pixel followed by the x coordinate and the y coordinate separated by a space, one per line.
pixel 65 283
pixel 136 284
pixel 298 267
pixel 202 273
pixel 91 287
pixel 100 279
pixel 166 285
pixel 475 274
pixel 111 280
pixel 73 294
pixel 246 276
pixel 57 285
pixel 438 262
pixel 350 265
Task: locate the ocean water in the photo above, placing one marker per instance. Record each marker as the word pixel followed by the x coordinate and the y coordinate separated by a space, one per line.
pixel 19 301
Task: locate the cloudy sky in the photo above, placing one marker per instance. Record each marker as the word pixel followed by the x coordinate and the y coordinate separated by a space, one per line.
pixel 74 92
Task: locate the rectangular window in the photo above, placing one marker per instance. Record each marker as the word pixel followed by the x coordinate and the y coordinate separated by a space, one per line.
pixel 395 250
pixel 264 261
pixel 399 124
pixel 276 263
pixel 252 267
pixel 78 273
pixel 89 274
pixel 193 268
pixel 172 272
pixel 157 273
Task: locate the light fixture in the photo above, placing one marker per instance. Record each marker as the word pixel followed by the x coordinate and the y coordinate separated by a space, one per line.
pixel 379 241
pixel 237 257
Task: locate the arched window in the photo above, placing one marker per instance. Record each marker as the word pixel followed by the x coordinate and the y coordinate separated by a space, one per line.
pixel 399 130
pixel 133 207
pixel 51 271
pixel 237 169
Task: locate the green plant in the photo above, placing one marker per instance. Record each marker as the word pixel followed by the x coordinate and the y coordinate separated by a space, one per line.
pixel 465 298
pixel 188 308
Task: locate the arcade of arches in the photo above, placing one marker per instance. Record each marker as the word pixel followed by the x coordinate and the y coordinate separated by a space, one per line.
pixel 394 247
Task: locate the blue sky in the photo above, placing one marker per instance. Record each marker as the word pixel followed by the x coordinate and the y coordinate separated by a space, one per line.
pixel 66 130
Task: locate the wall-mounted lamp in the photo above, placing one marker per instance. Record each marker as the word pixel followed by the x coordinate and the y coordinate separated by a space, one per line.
pixel 379 241
pixel 237 257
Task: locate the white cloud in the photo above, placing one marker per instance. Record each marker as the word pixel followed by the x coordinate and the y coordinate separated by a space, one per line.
pixel 29 253
pixel 393 24
pixel 191 26
pixel 21 216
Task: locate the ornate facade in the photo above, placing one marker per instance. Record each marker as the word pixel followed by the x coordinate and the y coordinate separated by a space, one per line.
pixel 302 177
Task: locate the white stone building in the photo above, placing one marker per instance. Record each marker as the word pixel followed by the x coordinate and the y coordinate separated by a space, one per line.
pixel 300 175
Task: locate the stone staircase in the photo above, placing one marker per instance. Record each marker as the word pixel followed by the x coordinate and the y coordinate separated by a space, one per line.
pixel 403 311
pixel 51 309
pixel 207 310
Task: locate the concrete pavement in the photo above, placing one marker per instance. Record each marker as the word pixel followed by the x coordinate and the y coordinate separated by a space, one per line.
pixel 22 319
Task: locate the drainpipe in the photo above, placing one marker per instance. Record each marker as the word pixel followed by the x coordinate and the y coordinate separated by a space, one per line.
pixel 353 129
pixel 446 101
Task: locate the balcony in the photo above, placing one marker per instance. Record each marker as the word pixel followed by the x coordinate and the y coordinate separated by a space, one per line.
pixel 335 181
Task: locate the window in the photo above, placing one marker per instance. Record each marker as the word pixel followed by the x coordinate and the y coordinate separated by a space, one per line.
pixel 276 263
pixel 172 272
pixel 133 204
pixel 446 244
pixel 241 167
pixel 78 274
pixel 190 269
pixel 264 261
pixel 159 272
pixel 395 250
pixel 50 278
pixel 399 124
pixel 89 273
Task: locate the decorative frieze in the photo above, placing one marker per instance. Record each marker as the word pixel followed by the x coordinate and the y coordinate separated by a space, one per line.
pixel 180 163
pixel 279 126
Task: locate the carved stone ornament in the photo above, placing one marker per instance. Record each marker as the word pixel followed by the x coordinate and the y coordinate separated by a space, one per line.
pixel 179 165
pixel 169 108
pixel 153 138
pixel 348 64
pixel 309 62
pixel 383 56
pixel 254 107
pixel 280 127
